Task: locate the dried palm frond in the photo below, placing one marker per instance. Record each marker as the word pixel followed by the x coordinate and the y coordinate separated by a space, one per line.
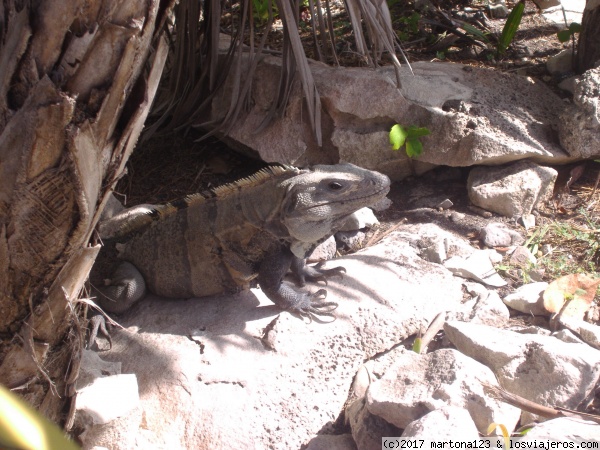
pixel 199 67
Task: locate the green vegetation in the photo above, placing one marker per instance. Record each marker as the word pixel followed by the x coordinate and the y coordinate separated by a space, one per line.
pixel 261 8
pixel 410 137
pixel 511 26
pixel 569 33
pixel 409 26
pixel 574 248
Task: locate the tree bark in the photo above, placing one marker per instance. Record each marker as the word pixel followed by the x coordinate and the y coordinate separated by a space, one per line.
pixel 588 51
pixel 77 79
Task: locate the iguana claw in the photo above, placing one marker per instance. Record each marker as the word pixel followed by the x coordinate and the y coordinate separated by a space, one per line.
pixel 314 273
pixel 98 324
pixel 314 309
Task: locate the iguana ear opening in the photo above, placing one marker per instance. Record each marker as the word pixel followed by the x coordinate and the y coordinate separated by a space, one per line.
pixel 290 203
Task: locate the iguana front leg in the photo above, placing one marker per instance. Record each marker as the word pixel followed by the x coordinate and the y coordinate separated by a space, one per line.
pixel 313 273
pixel 270 277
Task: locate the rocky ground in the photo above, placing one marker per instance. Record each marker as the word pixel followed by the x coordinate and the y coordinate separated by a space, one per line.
pixel 235 371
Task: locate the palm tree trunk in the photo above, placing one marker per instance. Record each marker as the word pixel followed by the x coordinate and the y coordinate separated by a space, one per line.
pixel 77 79
pixel 588 53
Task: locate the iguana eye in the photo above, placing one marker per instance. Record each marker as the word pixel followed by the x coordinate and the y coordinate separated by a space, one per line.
pixel 335 185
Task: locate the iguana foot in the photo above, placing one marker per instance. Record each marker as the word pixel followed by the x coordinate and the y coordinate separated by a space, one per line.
pixel 305 304
pixel 123 290
pixel 97 323
pixel 314 273
pixel 284 295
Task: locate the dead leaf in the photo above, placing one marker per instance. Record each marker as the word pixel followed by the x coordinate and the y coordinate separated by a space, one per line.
pixel 579 289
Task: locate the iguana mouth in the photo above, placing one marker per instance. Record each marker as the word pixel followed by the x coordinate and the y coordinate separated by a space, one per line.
pixel 377 194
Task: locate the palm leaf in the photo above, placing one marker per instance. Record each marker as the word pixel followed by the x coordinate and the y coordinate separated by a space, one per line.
pixel 198 68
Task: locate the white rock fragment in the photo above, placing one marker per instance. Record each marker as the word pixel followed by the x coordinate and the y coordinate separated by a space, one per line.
pixel 567 336
pixel 561 63
pixel 513 190
pixel 446 204
pixel 363 218
pixel 579 124
pixel 108 398
pixel 92 367
pixel 528 299
pixel 564 429
pixel 476 267
pixel 331 442
pixel 496 234
pixel 324 251
pixel 449 422
pixel 522 257
pixel 588 332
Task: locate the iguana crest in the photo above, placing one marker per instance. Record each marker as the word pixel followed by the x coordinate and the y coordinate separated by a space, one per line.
pixel 160 212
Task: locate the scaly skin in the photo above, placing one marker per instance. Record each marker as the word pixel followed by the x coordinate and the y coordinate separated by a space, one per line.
pixel 252 230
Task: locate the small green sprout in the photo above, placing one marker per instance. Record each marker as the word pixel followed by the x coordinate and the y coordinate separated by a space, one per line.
pixel 566 35
pixel 511 26
pixel 410 137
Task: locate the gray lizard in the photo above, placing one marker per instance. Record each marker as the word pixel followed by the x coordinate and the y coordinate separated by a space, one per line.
pixel 229 238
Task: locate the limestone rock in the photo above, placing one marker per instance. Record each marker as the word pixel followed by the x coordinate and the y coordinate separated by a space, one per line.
pixel 489 310
pixel 512 190
pixel 363 218
pixel 92 367
pixel 528 299
pixel 324 251
pixel 485 306
pixel 367 428
pixel 472 113
pixel 449 422
pixel 564 429
pixel 417 384
pixel 332 442
pixel 496 234
pixel 588 332
pixel 434 243
pixel 350 240
pixel 476 267
pixel 561 63
pixel 522 257
pixel 107 398
pixel 540 368
pixel 579 127
pixel 258 377
pixel 567 336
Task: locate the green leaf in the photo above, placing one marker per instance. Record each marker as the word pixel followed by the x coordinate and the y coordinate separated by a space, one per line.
pixel 564 35
pixel 575 28
pixel 397 136
pixel 417 345
pixel 510 27
pixel 474 31
pixel 413 147
pixel 416 132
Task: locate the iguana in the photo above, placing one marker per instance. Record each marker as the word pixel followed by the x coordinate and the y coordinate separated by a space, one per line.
pixel 226 239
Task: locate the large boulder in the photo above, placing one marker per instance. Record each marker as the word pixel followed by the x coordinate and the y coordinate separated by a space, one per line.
pixel 237 369
pixel 418 384
pixel 539 368
pixel 476 116
pixel 579 127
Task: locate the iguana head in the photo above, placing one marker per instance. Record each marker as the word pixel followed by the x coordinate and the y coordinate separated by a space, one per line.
pixel 319 201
